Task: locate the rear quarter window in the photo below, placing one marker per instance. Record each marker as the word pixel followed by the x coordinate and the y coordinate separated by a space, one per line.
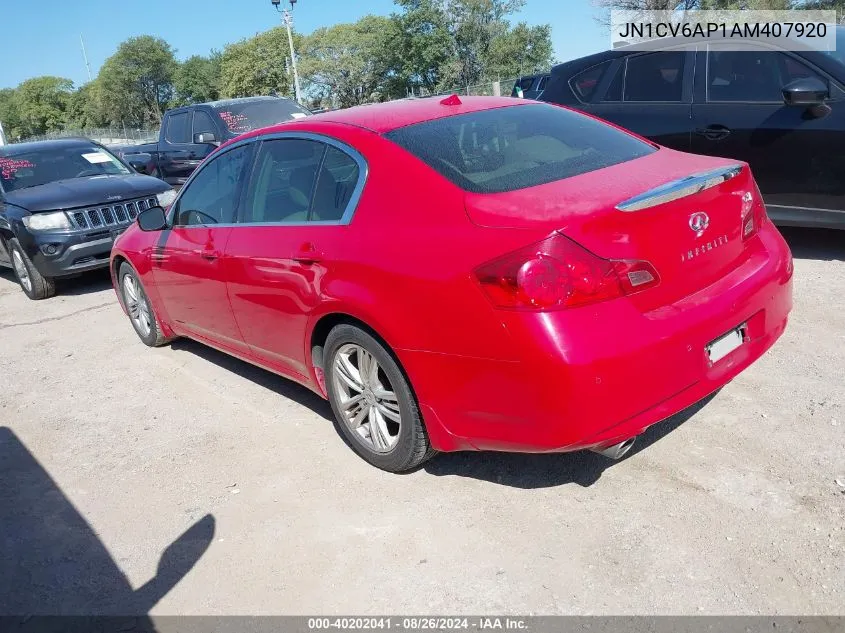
pixel 516 147
pixel 584 84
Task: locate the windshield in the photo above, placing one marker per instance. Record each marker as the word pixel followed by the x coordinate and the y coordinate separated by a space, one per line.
pixel 242 117
pixel 515 147
pixel 34 167
pixel 839 53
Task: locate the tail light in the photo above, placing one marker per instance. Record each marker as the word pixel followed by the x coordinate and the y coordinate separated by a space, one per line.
pixel 558 273
pixel 753 212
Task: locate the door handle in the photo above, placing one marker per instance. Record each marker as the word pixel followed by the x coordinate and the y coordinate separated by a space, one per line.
pixel 208 254
pixel 307 254
pixel 714 132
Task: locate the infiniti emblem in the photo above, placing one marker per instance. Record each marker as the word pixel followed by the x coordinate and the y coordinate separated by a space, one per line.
pixel 698 222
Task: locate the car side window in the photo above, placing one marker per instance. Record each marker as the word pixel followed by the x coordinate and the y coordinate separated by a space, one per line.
pixel 203 123
pixel 584 84
pixel 211 197
pixel 751 75
pixel 283 181
pixel 178 128
pixel 335 186
pixel 657 77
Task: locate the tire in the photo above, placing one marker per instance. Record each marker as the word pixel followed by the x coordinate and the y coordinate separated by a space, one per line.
pixel 146 323
pixel 35 285
pixel 398 446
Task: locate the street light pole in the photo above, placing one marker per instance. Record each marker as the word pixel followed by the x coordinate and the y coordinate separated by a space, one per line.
pixel 287 18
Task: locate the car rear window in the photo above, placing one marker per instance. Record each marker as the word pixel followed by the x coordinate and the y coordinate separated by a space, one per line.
pixel 515 147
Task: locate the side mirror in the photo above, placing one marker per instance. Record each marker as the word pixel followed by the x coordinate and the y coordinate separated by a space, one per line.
pixel 139 162
pixel 205 138
pixel 152 219
pixel 807 91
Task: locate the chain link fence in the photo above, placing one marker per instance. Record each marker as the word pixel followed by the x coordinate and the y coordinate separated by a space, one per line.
pixel 106 136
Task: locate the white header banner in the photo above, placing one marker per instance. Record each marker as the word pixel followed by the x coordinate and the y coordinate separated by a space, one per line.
pixel 799 30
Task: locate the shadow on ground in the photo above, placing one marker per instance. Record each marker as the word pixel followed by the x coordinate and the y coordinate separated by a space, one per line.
pixel 54 563
pixel 261 377
pixel 87 283
pixel 821 244
pixel 524 470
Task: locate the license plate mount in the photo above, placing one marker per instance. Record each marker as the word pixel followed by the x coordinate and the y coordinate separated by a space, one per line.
pixel 725 344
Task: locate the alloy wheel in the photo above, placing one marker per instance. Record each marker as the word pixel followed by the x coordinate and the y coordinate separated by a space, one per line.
pixel 368 401
pixel 21 270
pixel 136 305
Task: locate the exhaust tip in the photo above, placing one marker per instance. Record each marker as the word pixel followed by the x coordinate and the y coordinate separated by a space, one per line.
pixel 616 451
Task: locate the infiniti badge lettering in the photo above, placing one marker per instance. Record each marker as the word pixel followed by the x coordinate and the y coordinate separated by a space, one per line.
pixel 704 248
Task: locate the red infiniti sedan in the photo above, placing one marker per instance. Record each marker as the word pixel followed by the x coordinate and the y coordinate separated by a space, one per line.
pixel 467 274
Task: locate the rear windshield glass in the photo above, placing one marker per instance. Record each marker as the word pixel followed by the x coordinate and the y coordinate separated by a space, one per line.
pixel 31 168
pixel 244 116
pixel 517 147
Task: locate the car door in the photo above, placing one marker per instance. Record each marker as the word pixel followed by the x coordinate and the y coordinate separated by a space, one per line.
pixel 795 154
pixel 188 265
pixel 203 124
pixel 295 213
pixel 647 93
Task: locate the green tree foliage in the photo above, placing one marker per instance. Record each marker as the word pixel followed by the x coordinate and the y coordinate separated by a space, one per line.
pixel 137 81
pixel 347 62
pixel 198 79
pixel 9 113
pixel 419 45
pixel 522 50
pixel 258 65
pixel 41 104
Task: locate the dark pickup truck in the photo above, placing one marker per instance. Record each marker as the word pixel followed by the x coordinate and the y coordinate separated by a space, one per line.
pixel 189 134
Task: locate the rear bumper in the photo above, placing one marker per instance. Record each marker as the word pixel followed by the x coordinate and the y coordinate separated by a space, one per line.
pixel 601 374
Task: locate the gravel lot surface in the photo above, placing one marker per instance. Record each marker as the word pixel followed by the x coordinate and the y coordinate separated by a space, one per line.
pixel 731 507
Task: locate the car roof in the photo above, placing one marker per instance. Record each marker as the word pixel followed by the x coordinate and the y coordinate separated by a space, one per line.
pixel 22 148
pixel 228 102
pixel 385 117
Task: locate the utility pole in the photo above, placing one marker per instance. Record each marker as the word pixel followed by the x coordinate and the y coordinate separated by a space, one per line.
pixel 85 56
pixel 287 18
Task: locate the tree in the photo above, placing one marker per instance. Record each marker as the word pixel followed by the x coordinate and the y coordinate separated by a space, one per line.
pixel 348 61
pixel 420 45
pixel 41 104
pixel 9 113
pixel 257 65
pixel 522 50
pixel 198 79
pixel 137 81
pixel 85 107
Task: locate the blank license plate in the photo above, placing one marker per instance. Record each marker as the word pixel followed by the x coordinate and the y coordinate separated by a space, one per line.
pixel 724 345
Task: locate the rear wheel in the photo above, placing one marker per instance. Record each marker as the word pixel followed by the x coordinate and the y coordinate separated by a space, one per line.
pixel 373 404
pixel 35 285
pixel 138 306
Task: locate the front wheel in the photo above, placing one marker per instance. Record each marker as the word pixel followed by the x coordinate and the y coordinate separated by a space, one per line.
pixel 374 406
pixel 138 306
pixel 35 285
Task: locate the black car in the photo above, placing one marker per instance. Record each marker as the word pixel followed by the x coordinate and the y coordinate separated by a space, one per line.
pixel 781 111
pixel 191 133
pixel 62 203
pixel 530 86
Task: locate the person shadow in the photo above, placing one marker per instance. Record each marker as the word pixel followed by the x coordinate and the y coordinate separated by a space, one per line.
pixel 52 563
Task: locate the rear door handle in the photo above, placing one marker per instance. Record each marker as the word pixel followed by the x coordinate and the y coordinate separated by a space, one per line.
pixel 307 254
pixel 714 132
pixel 207 254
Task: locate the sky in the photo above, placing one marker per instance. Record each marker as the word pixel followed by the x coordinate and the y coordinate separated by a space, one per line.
pixel 41 37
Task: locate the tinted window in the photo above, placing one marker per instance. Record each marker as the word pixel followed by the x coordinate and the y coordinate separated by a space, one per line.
pixel 585 83
pixel 515 147
pixel 283 181
pixel 212 196
pixel 543 82
pixel 22 167
pixel 177 128
pixel 757 75
pixel 203 123
pixel 335 185
pixel 243 116
pixel 614 90
pixel 655 77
